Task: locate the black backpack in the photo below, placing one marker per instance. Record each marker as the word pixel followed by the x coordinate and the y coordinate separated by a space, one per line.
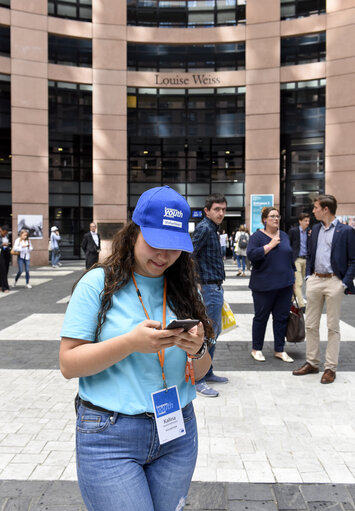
pixel 243 240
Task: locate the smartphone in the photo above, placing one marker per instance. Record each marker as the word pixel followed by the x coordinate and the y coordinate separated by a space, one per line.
pixel 186 324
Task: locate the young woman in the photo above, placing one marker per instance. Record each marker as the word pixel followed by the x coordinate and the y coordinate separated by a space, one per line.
pixel 241 243
pixel 24 246
pixel 271 281
pixel 114 339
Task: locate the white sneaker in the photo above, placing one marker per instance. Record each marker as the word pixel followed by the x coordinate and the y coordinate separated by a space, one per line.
pixel 28 286
pixel 284 357
pixel 14 284
pixel 258 356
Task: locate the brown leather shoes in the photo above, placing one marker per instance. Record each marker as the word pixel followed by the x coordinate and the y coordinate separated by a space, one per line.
pixel 328 376
pixel 307 368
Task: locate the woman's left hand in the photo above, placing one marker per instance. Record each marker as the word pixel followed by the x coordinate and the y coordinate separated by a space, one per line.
pixel 192 340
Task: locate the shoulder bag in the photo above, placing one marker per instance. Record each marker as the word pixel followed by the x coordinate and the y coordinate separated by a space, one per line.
pixel 296 331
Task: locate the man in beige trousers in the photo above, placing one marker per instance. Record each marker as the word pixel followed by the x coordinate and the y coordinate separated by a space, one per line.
pixel 330 273
pixel 299 244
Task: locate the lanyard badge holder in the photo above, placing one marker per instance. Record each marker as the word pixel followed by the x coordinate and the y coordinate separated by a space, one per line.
pixel 166 402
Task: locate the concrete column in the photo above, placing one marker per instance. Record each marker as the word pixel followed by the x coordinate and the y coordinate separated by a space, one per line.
pixel 109 118
pixel 29 117
pixel 262 108
pixel 340 102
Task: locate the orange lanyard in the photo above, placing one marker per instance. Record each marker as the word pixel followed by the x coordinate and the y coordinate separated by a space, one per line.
pixel 161 354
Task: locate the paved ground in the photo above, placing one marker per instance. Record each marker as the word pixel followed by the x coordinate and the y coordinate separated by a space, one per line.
pixel 270 441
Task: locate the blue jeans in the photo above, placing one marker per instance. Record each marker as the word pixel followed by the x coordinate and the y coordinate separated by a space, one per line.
pixel 21 263
pixel 277 302
pixel 213 297
pixel 121 464
pixel 55 256
pixel 241 261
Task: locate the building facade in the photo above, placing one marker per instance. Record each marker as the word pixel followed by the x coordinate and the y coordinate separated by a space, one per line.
pixel 103 99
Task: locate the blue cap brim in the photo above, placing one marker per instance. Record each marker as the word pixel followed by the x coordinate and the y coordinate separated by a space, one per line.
pixel 167 240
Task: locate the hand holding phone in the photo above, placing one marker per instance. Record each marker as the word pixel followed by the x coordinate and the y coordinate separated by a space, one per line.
pixel 186 324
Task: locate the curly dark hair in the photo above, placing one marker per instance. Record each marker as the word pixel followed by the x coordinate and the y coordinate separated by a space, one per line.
pixel 182 294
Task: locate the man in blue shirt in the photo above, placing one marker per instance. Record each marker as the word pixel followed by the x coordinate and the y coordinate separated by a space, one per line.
pixel 330 273
pixel 208 255
pixel 298 239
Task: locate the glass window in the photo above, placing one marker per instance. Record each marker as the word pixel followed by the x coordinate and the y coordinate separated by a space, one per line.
pixel 159 57
pixel 186 137
pixel 70 162
pixel 301 8
pixel 185 13
pixel 69 51
pixel 4 41
pixel 5 150
pixel 302 146
pixel 4 3
pixel 303 49
pixel 74 9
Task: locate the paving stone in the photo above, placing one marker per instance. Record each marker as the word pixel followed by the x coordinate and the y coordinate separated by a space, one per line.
pixel 289 497
pixel 22 488
pixel 46 507
pixel 325 506
pixel 65 492
pixel 207 496
pixel 327 493
pixel 249 492
pixel 18 504
pixel 256 505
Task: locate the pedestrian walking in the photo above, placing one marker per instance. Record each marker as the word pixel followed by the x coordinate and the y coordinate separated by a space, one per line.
pixel 223 239
pixel 136 428
pixel 55 239
pixel 299 237
pixel 241 245
pixel 208 255
pixel 23 245
pixel 330 273
pixel 271 281
pixel 5 256
pixel 91 246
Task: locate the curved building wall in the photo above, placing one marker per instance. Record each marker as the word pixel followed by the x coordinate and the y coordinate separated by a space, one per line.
pixel 263 78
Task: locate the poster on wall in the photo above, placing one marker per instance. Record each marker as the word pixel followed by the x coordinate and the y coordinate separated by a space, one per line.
pixel 257 203
pixel 32 223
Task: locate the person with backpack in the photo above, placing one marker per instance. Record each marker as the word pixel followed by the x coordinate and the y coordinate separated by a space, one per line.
pixel 240 247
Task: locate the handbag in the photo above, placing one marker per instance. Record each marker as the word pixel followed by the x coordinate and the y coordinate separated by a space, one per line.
pixel 14 252
pixel 49 246
pixel 296 331
pixel 228 319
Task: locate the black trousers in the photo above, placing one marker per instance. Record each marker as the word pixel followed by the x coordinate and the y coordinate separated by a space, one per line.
pixel 91 258
pixel 4 268
pixel 277 302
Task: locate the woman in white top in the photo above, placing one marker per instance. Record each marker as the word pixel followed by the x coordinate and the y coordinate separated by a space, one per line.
pixel 24 246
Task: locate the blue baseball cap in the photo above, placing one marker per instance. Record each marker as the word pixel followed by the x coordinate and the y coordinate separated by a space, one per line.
pixel 163 216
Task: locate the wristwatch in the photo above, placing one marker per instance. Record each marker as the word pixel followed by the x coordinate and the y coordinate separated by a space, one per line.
pixel 200 352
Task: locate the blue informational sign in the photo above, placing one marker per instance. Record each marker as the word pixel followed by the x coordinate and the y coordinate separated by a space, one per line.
pixel 196 214
pixel 257 203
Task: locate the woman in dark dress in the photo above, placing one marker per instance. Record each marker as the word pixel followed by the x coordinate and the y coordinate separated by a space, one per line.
pixel 271 281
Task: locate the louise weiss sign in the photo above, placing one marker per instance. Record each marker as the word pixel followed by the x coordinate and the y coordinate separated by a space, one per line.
pixel 186 81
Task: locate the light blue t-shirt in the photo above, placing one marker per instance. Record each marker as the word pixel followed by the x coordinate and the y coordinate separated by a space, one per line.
pixel 125 387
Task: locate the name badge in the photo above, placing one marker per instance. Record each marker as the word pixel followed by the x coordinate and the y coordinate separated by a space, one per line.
pixel 168 414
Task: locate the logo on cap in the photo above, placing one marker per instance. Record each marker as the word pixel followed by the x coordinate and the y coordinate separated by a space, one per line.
pixel 170 213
